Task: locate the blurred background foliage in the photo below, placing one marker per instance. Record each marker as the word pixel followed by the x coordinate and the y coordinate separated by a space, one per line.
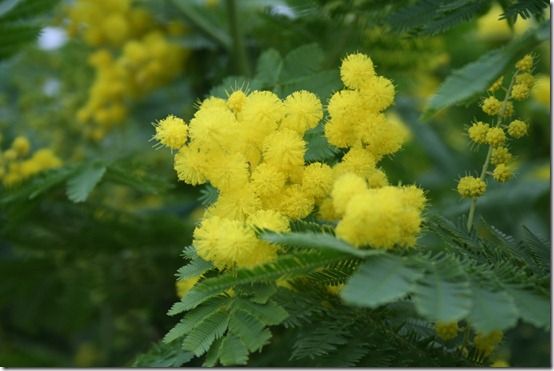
pixel 89 250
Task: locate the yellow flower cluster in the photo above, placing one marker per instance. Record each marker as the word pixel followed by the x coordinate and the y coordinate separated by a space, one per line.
pixel 17 164
pixel 485 343
pixel 144 59
pixel 495 136
pixel 251 147
pixel 446 330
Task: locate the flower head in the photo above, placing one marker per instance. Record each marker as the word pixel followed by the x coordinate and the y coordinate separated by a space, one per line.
pixel 470 187
pixel 525 64
pixel 356 71
pixel 517 129
pixel 171 132
pixel 478 132
pixel 495 136
pixel 502 173
pixel 491 106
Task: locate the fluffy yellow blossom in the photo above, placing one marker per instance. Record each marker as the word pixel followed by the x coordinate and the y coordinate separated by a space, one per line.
pixel 517 129
pixel 541 90
pixel 317 180
pixel 190 165
pixel 379 93
pixel 261 114
pixel 236 204
pixel 171 132
pixel 230 243
pixel 496 85
pixel 346 187
pixel 525 79
pixel 236 101
pixel 303 111
pixel 478 132
pixel 377 179
pixel 446 330
pixel 520 91
pixel 284 149
pixel 470 187
pixel 506 110
pixel 381 218
pixel 267 180
pixel 495 137
pixel 327 210
pixel 184 285
pixel 357 71
pixel 295 203
pixel 502 173
pixel 21 145
pixel 491 106
pixel 500 155
pixel 525 64
pixel 358 161
pixel 485 343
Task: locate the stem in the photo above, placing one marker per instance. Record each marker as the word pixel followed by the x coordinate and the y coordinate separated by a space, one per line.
pixel 471 215
pixel 239 50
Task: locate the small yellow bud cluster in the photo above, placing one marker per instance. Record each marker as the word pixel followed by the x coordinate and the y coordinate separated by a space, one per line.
pixel 17 164
pixel 146 60
pixel 471 187
pixel 251 147
pixel 485 343
pixel 446 330
pixel 495 136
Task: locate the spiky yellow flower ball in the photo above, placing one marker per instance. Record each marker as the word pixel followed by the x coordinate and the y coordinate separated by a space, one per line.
pixel 525 64
pixel 446 330
pixel 267 180
pixel 495 137
pixel 269 219
pixel 485 343
pixel 295 203
pixel 236 100
pixel 520 91
pixel 356 71
pixel 303 111
pixel 317 180
pixel 284 149
pixel 346 187
pixel 525 79
pixel 496 85
pixel 517 129
pixel 478 132
pixel 21 145
pixel 230 243
pixel 502 173
pixel 500 155
pixel 190 165
pixel 491 106
pixel 171 132
pixel 389 222
pixel 358 161
pixel 470 187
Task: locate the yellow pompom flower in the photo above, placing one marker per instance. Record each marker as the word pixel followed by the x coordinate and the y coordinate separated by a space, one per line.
pixel 183 286
pixel 506 110
pixel 190 165
pixel 525 79
pixel 267 180
pixel 303 111
pixel 230 243
pixel 541 90
pixel 284 149
pixel 517 129
pixel 485 343
pixel 339 133
pixel 502 173
pixel 478 132
pixel 236 101
pixel 377 179
pixel 317 180
pixel 495 137
pixel 525 64
pixel 470 187
pixel 171 132
pixel 358 161
pixel 295 203
pixel 379 218
pixel 356 71
pixel 346 187
pixel 345 104
pixel 236 204
pixel 491 106
pixel 21 145
pixel 500 155
pixel 520 92
pixel 261 113
pixel 327 210
pixel 446 330
pixel 496 85
pixel 379 93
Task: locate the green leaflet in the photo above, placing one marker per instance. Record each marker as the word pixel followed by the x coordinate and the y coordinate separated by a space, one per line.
pixel 492 310
pixel 474 78
pixel 532 308
pixel 201 337
pixel 232 351
pixel 443 293
pixel 80 185
pixel 380 280
pixel 250 329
